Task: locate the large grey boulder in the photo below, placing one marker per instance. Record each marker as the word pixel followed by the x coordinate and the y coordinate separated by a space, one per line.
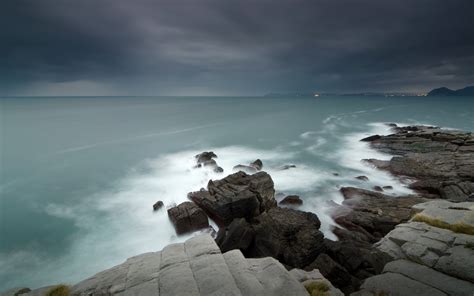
pixel 448 284
pixel 187 217
pixel 238 195
pixel 196 267
pixel 395 284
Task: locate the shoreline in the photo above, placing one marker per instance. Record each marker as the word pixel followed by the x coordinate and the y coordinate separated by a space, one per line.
pixel 357 226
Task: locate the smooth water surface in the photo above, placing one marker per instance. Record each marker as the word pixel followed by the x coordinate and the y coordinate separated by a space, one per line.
pixel 79 176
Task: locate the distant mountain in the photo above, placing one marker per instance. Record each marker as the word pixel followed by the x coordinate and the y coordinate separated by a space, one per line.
pixel 444 91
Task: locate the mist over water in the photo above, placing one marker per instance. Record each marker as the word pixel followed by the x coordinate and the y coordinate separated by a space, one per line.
pixel 79 176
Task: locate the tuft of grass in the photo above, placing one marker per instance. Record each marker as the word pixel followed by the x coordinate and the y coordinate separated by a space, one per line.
pixel 457 227
pixel 61 290
pixel 317 288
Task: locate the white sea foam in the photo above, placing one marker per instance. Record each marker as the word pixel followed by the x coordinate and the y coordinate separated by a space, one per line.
pixel 354 151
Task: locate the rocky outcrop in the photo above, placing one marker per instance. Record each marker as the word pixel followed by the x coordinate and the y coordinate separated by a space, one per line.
pixel 206 159
pixel 187 217
pixel 441 160
pixel 291 236
pixel 236 196
pixel 347 263
pixel 368 216
pixel 430 259
pixel 158 205
pixel 196 267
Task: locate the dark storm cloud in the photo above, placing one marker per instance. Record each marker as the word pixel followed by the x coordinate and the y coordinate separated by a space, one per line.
pixel 233 47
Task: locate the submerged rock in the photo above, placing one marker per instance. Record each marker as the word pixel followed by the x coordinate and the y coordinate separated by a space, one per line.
pixel 238 195
pixel 158 205
pixel 187 217
pixel 244 168
pixel 206 159
pixel 377 188
pixel 362 178
pixel 257 164
pixel 287 167
pixel 294 200
pixel 252 168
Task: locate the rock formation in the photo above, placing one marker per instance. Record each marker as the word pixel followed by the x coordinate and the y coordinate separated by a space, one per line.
pixel 236 196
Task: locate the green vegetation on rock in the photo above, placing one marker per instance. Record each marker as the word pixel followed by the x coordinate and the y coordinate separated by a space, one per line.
pixel 317 288
pixel 457 227
pixel 61 290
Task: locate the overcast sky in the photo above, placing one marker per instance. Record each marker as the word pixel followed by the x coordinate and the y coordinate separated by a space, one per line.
pixel 202 47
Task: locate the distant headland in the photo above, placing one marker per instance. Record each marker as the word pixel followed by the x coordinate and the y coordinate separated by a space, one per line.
pixel 444 91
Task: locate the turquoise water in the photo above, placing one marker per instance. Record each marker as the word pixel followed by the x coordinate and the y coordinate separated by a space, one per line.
pixel 79 175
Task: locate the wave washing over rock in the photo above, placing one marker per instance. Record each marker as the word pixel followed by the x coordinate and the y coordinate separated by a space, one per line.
pixel 391 241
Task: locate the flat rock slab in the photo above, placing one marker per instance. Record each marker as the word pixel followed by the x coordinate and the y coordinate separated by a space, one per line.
pixel 441 249
pixel 420 273
pixel 395 284
pixel 448 212
pixel 441 160
pixel 196 267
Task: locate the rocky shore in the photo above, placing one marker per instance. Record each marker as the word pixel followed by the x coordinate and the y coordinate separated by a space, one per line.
pixel 420 244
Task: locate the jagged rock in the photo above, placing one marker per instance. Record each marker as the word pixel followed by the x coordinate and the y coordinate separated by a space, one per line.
pixel 372 214
pixel 288 235
pixel 294 200
pixel 158 205
pixel 238 235
pixel 236 196
pixel 332 270
pixel 187 217
pixel 362 178
pixel 257 164
pixel 206 159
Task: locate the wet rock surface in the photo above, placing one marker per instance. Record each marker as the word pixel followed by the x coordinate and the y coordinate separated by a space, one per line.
pixel 291 236
pixel 158 205
pixel 187 217
pixel 293 200
pixel 441 160
pixel 370 215
pixel 206 159
pixel 238 195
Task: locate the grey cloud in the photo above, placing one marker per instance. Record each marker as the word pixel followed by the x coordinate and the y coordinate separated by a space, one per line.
pixel 234 47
